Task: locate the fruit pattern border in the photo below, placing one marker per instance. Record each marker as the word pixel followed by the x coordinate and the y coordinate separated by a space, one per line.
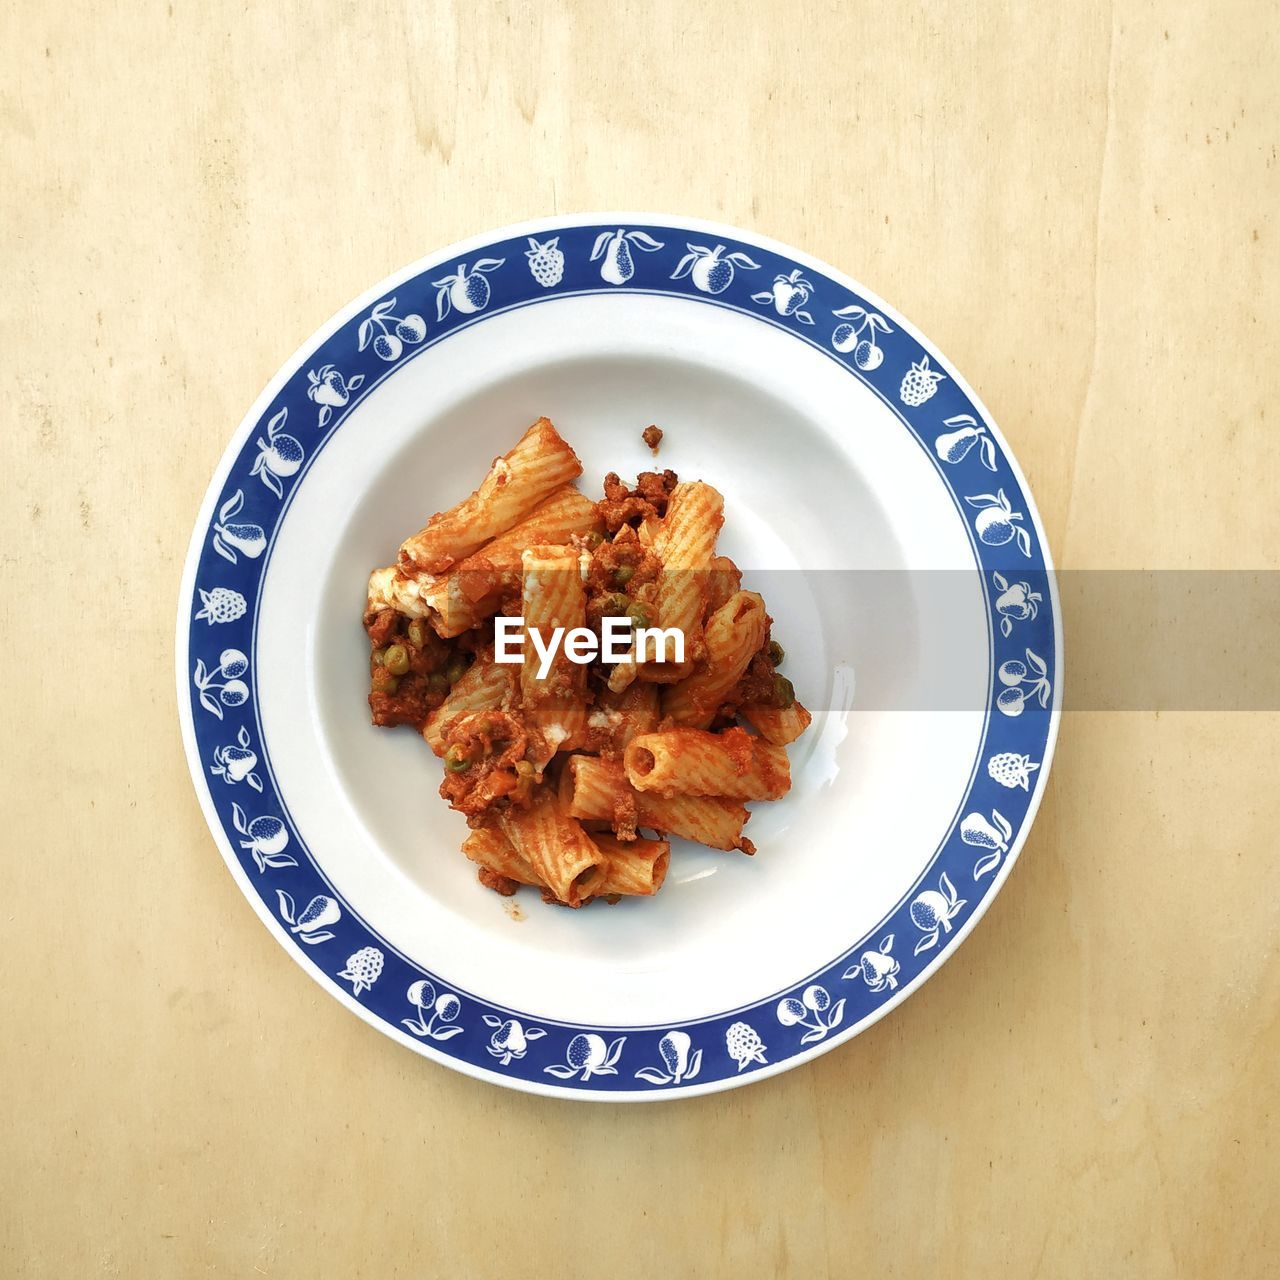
pixel 504 1044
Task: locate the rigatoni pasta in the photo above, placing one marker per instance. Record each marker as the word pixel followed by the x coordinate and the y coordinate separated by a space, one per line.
pixel 489 849
pixel 636 868
pixel 484 686
pixel 572 763
pixel 473 589
pixel 632 869
pixel 779 725
pixel 517 482
pixel 593 788
pixel 733 636
pixel 556 847
pixel 723 580
pixel 552 596
pixel 698 763
pixel 616 718
pixel 686 543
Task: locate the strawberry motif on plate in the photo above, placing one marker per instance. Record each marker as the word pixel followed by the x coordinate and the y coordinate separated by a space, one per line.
pixel 1017 602
pixel 236 763
pixel 789 295
pixel 878 969
pixel 327 387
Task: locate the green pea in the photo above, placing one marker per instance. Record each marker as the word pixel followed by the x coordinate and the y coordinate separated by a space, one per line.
pixel 784 692
pixel 776 653
pixel 397 660
pixel 385 684
pixel 417 633
pixel 639 614
pixel 525 769
pixel 437 682
pixel 615 605
pixel 456 760
pixel 456 669
pixel 593 539
pixel 623 574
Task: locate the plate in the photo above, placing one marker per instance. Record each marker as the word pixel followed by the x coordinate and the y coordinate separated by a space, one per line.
pixel 869 497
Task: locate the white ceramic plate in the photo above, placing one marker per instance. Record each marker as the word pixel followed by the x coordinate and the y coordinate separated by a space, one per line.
pixel 869 497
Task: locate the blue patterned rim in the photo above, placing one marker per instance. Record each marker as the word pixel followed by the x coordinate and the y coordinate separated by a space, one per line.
pixel 248 501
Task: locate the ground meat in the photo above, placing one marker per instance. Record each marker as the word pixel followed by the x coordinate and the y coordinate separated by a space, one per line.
pixel 623 567
pixel 631 506
pixel 411 704
pixel 410 696
pixel 760 683
pixel 499 884
pixel 494 744
pixel 381 626
pixel 652 436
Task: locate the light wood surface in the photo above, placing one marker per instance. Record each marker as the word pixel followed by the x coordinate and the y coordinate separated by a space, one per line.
pixel 1077 203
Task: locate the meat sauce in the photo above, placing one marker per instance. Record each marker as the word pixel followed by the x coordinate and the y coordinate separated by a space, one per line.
pixel 490 758
pixel 648 500
pixel 409 696
pixel 487 766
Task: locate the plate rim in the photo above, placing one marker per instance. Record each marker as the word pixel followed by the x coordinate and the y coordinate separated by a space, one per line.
pixel 294 364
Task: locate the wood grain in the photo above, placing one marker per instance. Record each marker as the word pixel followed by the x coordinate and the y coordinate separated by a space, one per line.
pixel 1077 203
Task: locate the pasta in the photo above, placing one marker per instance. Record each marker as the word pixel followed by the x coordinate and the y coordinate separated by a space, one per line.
pixel 552 596
pixel 593 788
pixel 556 847
pixel 574 741
pixel 779 725
pixel 635 869
pixel 486 686
pixel 686 544
pixel 723 580
pixel 699 763
pixel 493 852
pixel 473 589
pixel 617 718
pixel 517 482
pixel 733 635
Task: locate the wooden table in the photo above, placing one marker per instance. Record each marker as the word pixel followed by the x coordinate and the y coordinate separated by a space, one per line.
pixel 1078 204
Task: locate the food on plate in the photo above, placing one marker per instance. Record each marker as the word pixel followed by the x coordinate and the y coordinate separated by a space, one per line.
pixel 592 674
